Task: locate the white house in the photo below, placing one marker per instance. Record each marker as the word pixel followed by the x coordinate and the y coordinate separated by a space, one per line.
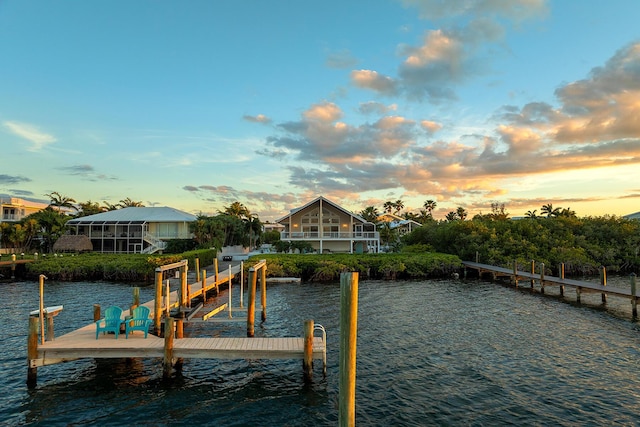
pixel 133 230
pixel 329 228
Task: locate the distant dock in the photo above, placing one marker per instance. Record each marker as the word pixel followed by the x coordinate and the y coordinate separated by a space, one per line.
pixel 543 280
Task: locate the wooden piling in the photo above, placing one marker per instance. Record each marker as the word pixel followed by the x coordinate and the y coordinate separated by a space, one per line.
pixel 204 285
pixel 167 362
pixel 41 284
pixel 184 302
pixel 32 352
pixel 230 297
pixel 634 300
pixel 307 361
pixel 251 305
pixel 215 269
pixel 96 312
pixel 263 290
pixel 197 269
pixel 603 282
pixel 533 271
pixel 578 292
pixel 561 271
pixel 136 296
pixel 515 273
pixel 542 277
pixel 348 340
pixel 13 266
pixel 157 310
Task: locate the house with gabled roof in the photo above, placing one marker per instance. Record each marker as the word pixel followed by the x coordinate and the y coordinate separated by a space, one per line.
pixel 134 229
pixel 401 225
pixel 329 228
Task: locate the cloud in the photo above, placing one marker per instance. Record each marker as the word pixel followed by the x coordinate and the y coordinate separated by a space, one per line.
pixel 450 56
pixel 378 108
pixel 368 79
pixel 341 59
pixel 87 172
pixel 13 179
pixel 30 133
pixel 260 118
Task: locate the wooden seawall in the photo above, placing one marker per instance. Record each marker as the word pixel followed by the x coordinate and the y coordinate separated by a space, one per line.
pixel 172 347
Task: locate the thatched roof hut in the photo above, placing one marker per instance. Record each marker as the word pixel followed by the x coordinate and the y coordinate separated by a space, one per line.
pixel 71 243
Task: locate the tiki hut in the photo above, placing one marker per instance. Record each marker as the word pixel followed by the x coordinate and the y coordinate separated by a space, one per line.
pixel 71 243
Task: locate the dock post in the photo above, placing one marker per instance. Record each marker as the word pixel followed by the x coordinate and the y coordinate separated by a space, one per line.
pixel 96 312
pixel 348 339
pixel 13 266
pixel 157 310
pixel 41 283
pixel 533 271
pixel 215 268
pixel 562 277
pixel 515 273
pixel 477 257
pixel 230 298
pixel 197 269
pixel 603 282
pixel 251 306
pixel 307 361
pixel 263 290
pixel 183 286
pixel 136 296
pixel 32 352
pixel 204 285
pixel 241 284
pixel 634 301
pixel 542 277
pixel 578 291
pixel 167 362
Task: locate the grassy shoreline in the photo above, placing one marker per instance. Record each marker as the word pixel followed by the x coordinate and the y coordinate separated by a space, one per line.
pixel 140 268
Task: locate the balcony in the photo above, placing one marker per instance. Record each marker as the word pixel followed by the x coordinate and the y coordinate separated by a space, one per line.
pixel 360 235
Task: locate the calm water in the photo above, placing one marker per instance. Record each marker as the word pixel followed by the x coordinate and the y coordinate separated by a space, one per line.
pixel 429 353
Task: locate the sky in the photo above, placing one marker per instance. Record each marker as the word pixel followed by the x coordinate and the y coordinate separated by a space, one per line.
pixel 199 104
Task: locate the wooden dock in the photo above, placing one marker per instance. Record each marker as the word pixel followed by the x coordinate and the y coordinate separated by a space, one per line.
pixel 172 347
pixel 543 280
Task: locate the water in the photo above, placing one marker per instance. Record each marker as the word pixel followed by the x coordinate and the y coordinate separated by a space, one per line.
pixel 429 353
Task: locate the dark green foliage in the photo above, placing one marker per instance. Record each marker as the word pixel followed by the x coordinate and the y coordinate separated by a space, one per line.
pixel 313 267
pixel 178 246
pixel 117 267
pixel 582 244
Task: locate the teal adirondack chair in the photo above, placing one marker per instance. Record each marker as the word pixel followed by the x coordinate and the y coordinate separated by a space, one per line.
pixel 111 322
pixel 139 322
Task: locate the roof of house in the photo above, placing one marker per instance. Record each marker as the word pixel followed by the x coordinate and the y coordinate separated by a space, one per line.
pixel 144 214
pixel 324 200
pixel 633 216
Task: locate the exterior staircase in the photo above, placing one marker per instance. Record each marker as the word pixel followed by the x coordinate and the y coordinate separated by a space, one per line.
pixel 155 244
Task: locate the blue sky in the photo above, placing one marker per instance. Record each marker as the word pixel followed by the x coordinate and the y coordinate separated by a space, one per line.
pixel 199 104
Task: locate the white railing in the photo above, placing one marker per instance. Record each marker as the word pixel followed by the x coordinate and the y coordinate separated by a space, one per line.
pixel 361 235
pixel 155 244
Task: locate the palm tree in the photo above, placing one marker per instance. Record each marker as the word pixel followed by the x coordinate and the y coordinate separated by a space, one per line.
pixel 451 216
pixel 462 213
pixel 398 205
pixel 531 214
pixel 61 201
pixel 388 206
pixel 128 203
pixel 109 207
pixel 550 211
pixel 370 213
pixel 430 205
pixel 238 210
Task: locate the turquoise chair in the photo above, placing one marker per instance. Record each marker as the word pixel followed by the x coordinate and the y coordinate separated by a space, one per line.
pixel 111 322
pixel 139 322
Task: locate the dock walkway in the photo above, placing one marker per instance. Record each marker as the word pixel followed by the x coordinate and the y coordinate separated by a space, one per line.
pixel 544 280
pixel 82 343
